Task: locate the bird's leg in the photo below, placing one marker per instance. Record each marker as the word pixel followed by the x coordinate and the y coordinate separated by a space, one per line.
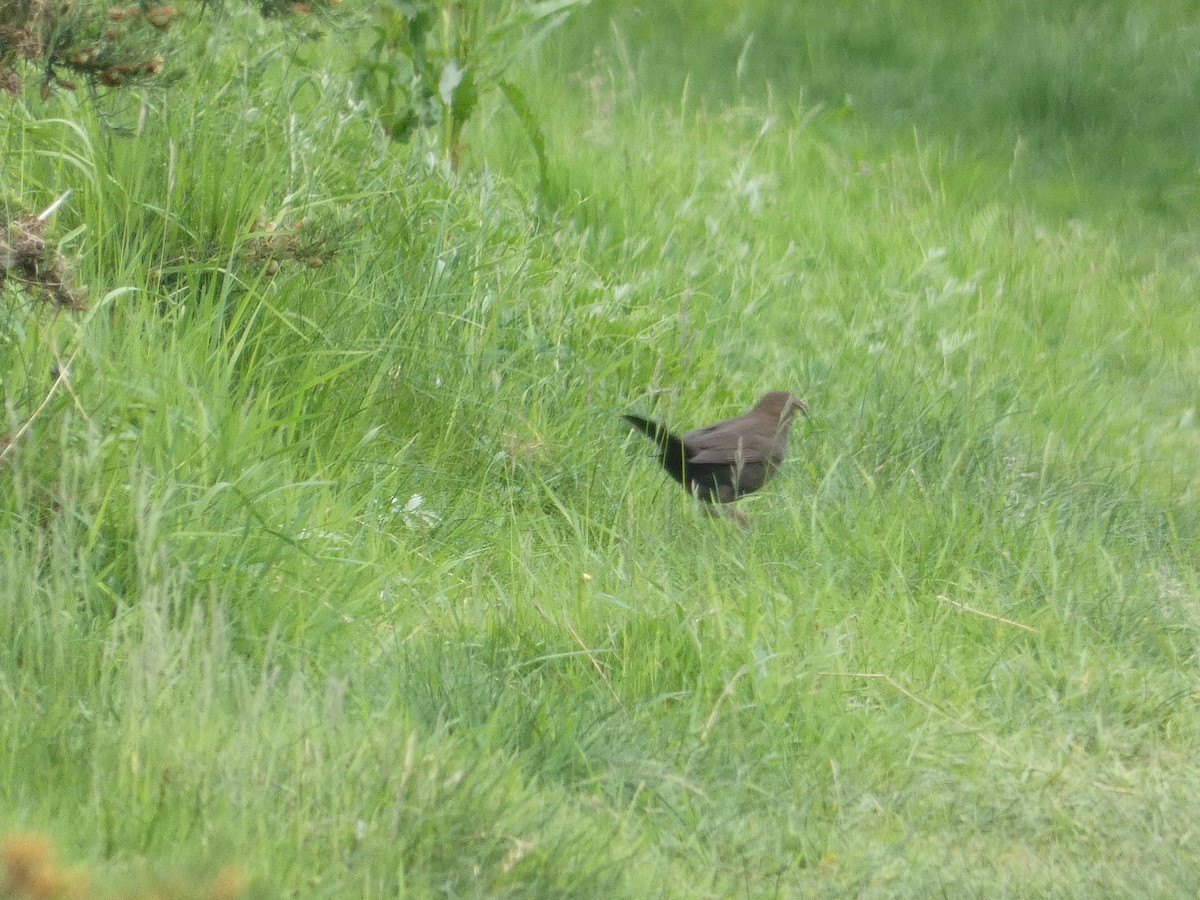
pixel 738 516
pixel 715 511
pixel 739 464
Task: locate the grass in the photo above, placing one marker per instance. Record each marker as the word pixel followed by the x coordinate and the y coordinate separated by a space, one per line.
pixel 329 558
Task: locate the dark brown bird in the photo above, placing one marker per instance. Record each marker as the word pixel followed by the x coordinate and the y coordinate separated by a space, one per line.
pixel 723 462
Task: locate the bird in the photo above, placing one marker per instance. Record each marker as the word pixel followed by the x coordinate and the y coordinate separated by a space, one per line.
pixel 725 461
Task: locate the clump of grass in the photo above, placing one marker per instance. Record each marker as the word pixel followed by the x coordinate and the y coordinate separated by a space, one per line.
pixel 35 265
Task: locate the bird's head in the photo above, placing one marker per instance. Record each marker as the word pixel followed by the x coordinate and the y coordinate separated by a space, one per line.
pixel 781 406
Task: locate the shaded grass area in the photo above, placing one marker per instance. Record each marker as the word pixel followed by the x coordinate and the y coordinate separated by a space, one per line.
pixel 347 573
pixel 1090 101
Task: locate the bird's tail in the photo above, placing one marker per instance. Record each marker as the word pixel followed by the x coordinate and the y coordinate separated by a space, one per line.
pixel 670 447
pixel 652 430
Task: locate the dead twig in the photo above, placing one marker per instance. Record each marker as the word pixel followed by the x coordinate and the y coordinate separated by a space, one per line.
pixel 586 652
pixel 60 379
pixel 924 704
pixel 986 615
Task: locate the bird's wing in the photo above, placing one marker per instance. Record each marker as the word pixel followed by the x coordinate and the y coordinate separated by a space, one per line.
pixel 728 443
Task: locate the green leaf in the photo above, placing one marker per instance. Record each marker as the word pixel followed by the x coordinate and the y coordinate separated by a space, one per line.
pixel 466 97
pixel 516 99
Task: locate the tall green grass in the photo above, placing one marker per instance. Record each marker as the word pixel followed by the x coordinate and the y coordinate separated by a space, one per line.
pixel 343 569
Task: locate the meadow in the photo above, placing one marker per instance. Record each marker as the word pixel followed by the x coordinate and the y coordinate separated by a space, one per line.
pixel 325 555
